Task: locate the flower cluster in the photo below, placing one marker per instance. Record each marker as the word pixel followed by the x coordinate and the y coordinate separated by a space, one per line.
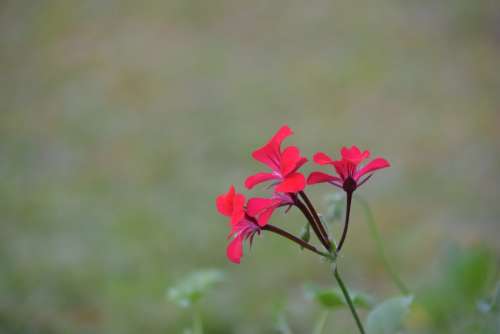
pixel 248 218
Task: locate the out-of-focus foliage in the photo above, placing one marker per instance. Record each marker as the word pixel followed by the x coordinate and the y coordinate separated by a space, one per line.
pixel 388 316
pixel 335 206
pixel 463 277
pixel 491 304
pixel 122 121
pixel 192 288
pixel 332 298
pixel 281 323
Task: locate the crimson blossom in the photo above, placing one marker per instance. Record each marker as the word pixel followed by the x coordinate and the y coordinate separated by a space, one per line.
pixel 246 221
pixel 243 226
pixel 350 175
pixel 283 163
pixel 231 205
pixel 263 208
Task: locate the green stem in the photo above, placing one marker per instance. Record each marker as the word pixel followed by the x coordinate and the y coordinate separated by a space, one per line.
pixel 321 322
pixel 335 252
pixel 349 301
pixel 197 323
pixel 380 247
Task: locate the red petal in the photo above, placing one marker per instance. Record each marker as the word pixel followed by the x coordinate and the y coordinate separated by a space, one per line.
pixel 253 180
pixel 300 163
pixel 354 154
pixel 234 250
pixel 280 135
pixel 224 202
pixel 265 216
pixel 238 211
pixel 320 177
pixel 269 154
pixel 257 205
pixel 342 168
pixel 292 183
pixel 263 208
pixel 322 159
pixel 291 160
pixel 373 165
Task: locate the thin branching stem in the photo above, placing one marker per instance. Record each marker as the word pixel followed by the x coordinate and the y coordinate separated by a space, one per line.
pixel 314 213
pixel 346 223
pixel 336 274
pixel 349 300
pixel 314 224
pixel 311 214
pixel 293 238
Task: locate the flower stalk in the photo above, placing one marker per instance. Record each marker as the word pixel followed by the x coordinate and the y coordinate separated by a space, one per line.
pixel 348 298
pixel 333 256
pixel 315 215
pixel 313 222
pixel 289 236
pixel 346 223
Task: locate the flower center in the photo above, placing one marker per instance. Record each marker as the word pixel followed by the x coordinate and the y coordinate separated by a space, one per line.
pixel 349 185
pixel 277 174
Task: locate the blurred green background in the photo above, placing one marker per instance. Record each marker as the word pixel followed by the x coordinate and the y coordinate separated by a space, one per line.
pixel 122 120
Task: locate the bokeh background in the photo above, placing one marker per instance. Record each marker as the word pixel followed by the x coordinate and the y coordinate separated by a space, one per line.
pixel 122 120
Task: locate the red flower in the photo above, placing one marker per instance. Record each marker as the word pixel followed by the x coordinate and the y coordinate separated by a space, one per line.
pixel 350 175
pixel 243 226
pixel 263 208
pixel 283 163
pixel 243 230
pixel 231 205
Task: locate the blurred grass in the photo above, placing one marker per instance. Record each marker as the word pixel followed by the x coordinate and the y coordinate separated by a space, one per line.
pixel 122 121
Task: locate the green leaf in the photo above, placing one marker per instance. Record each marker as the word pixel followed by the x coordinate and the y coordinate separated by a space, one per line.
pixel 492 303
pixel 460 278
pixel 332 298
pixel 329 298
pixel 471 272
pixel 192 288
pixel 362 300
pixel 387 317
